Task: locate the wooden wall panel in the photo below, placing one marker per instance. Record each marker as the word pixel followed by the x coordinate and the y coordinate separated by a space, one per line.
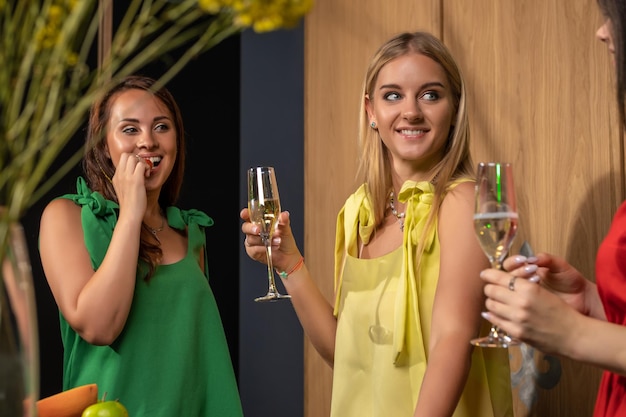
pixel 341 36
pixel 541 97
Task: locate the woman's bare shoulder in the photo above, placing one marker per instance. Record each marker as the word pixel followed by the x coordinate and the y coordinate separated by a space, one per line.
pixel 61 211
pixel 460 192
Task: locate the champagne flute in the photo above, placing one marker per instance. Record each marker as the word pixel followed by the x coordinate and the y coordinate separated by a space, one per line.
pixel 264 207
pixel 495 224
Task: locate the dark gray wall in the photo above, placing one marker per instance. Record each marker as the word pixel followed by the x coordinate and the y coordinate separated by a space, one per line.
pixel 272 133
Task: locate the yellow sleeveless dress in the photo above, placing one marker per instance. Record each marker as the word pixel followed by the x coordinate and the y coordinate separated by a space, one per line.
pixel 384 316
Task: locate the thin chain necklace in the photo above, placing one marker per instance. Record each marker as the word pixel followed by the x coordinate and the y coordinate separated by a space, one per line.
pixel 399 216
pixel 157 230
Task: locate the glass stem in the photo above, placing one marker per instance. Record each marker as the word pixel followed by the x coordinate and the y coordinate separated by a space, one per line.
pixel 494 331
pixel 270 265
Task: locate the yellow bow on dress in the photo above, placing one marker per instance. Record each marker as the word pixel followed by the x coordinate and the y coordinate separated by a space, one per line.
pixel 356 218
pixel 418 197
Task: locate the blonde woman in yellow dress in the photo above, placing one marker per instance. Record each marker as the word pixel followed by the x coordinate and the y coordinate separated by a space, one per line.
pixel 407 263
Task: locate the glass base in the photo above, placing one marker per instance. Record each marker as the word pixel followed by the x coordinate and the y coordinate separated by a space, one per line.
pixel 497 340
pixel 272 296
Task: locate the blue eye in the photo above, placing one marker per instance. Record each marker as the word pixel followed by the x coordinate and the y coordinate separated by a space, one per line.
pixel 392 96
pixel 430 96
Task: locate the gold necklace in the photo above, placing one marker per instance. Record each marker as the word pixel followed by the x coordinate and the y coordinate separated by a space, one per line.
pixel 399 216
pixel 157 230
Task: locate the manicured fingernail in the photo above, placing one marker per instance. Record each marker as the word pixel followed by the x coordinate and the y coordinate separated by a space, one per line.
pixel 276 241
pixel 519 259
pixel 486 315
pixel 531 259
pixel 530 268
pixel 534 279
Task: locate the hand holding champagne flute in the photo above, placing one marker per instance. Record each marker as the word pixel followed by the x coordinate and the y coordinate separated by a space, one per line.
pixel 264 207
pixel 495 223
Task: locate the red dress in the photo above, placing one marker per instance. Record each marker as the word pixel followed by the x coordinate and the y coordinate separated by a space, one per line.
pixel 611 281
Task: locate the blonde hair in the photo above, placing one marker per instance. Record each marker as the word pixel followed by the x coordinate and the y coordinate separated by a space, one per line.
pixel 374 168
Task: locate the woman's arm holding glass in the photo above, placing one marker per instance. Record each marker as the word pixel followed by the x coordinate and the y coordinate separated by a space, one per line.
pixel 561 316
pixel 313 310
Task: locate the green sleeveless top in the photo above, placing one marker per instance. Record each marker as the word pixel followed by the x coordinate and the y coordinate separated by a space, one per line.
pixel 384 309
pixel 172 358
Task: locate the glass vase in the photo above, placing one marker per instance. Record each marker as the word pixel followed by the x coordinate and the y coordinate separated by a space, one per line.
pixel 19 340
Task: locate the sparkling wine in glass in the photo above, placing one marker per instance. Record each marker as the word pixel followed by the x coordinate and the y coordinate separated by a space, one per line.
pixel 264 207
pixel 495 224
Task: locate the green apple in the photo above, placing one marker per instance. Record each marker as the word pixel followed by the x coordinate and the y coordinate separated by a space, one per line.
pixel 105 409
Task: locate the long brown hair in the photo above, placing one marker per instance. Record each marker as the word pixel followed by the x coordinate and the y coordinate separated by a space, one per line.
pixel 99 168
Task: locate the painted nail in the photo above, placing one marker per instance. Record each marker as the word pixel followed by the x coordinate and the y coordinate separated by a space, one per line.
pixel 534 279
pixel 530 268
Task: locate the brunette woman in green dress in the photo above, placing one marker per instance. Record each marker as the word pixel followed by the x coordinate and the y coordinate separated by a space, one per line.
pixel 128 269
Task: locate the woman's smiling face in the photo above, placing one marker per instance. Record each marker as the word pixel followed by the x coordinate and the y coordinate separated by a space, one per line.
pixel 412 107
pixel 141 124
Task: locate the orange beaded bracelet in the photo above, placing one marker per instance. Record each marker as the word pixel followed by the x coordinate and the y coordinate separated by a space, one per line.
pixel 296 268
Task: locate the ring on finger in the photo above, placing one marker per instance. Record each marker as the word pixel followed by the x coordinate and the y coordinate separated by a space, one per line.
pixel 512 283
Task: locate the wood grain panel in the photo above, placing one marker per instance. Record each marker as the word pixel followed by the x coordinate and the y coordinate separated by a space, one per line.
pixel 341 36
pixel 540 96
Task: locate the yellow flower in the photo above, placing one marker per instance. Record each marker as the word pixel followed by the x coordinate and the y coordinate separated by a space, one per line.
pixel 212 6
pixel 261 15
pixel 47 84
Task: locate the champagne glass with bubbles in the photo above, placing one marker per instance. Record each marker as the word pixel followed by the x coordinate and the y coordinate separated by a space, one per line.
pixel 264 207
pixel 495 224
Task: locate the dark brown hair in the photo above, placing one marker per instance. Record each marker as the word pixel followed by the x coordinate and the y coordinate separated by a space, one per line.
pixel 99 168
